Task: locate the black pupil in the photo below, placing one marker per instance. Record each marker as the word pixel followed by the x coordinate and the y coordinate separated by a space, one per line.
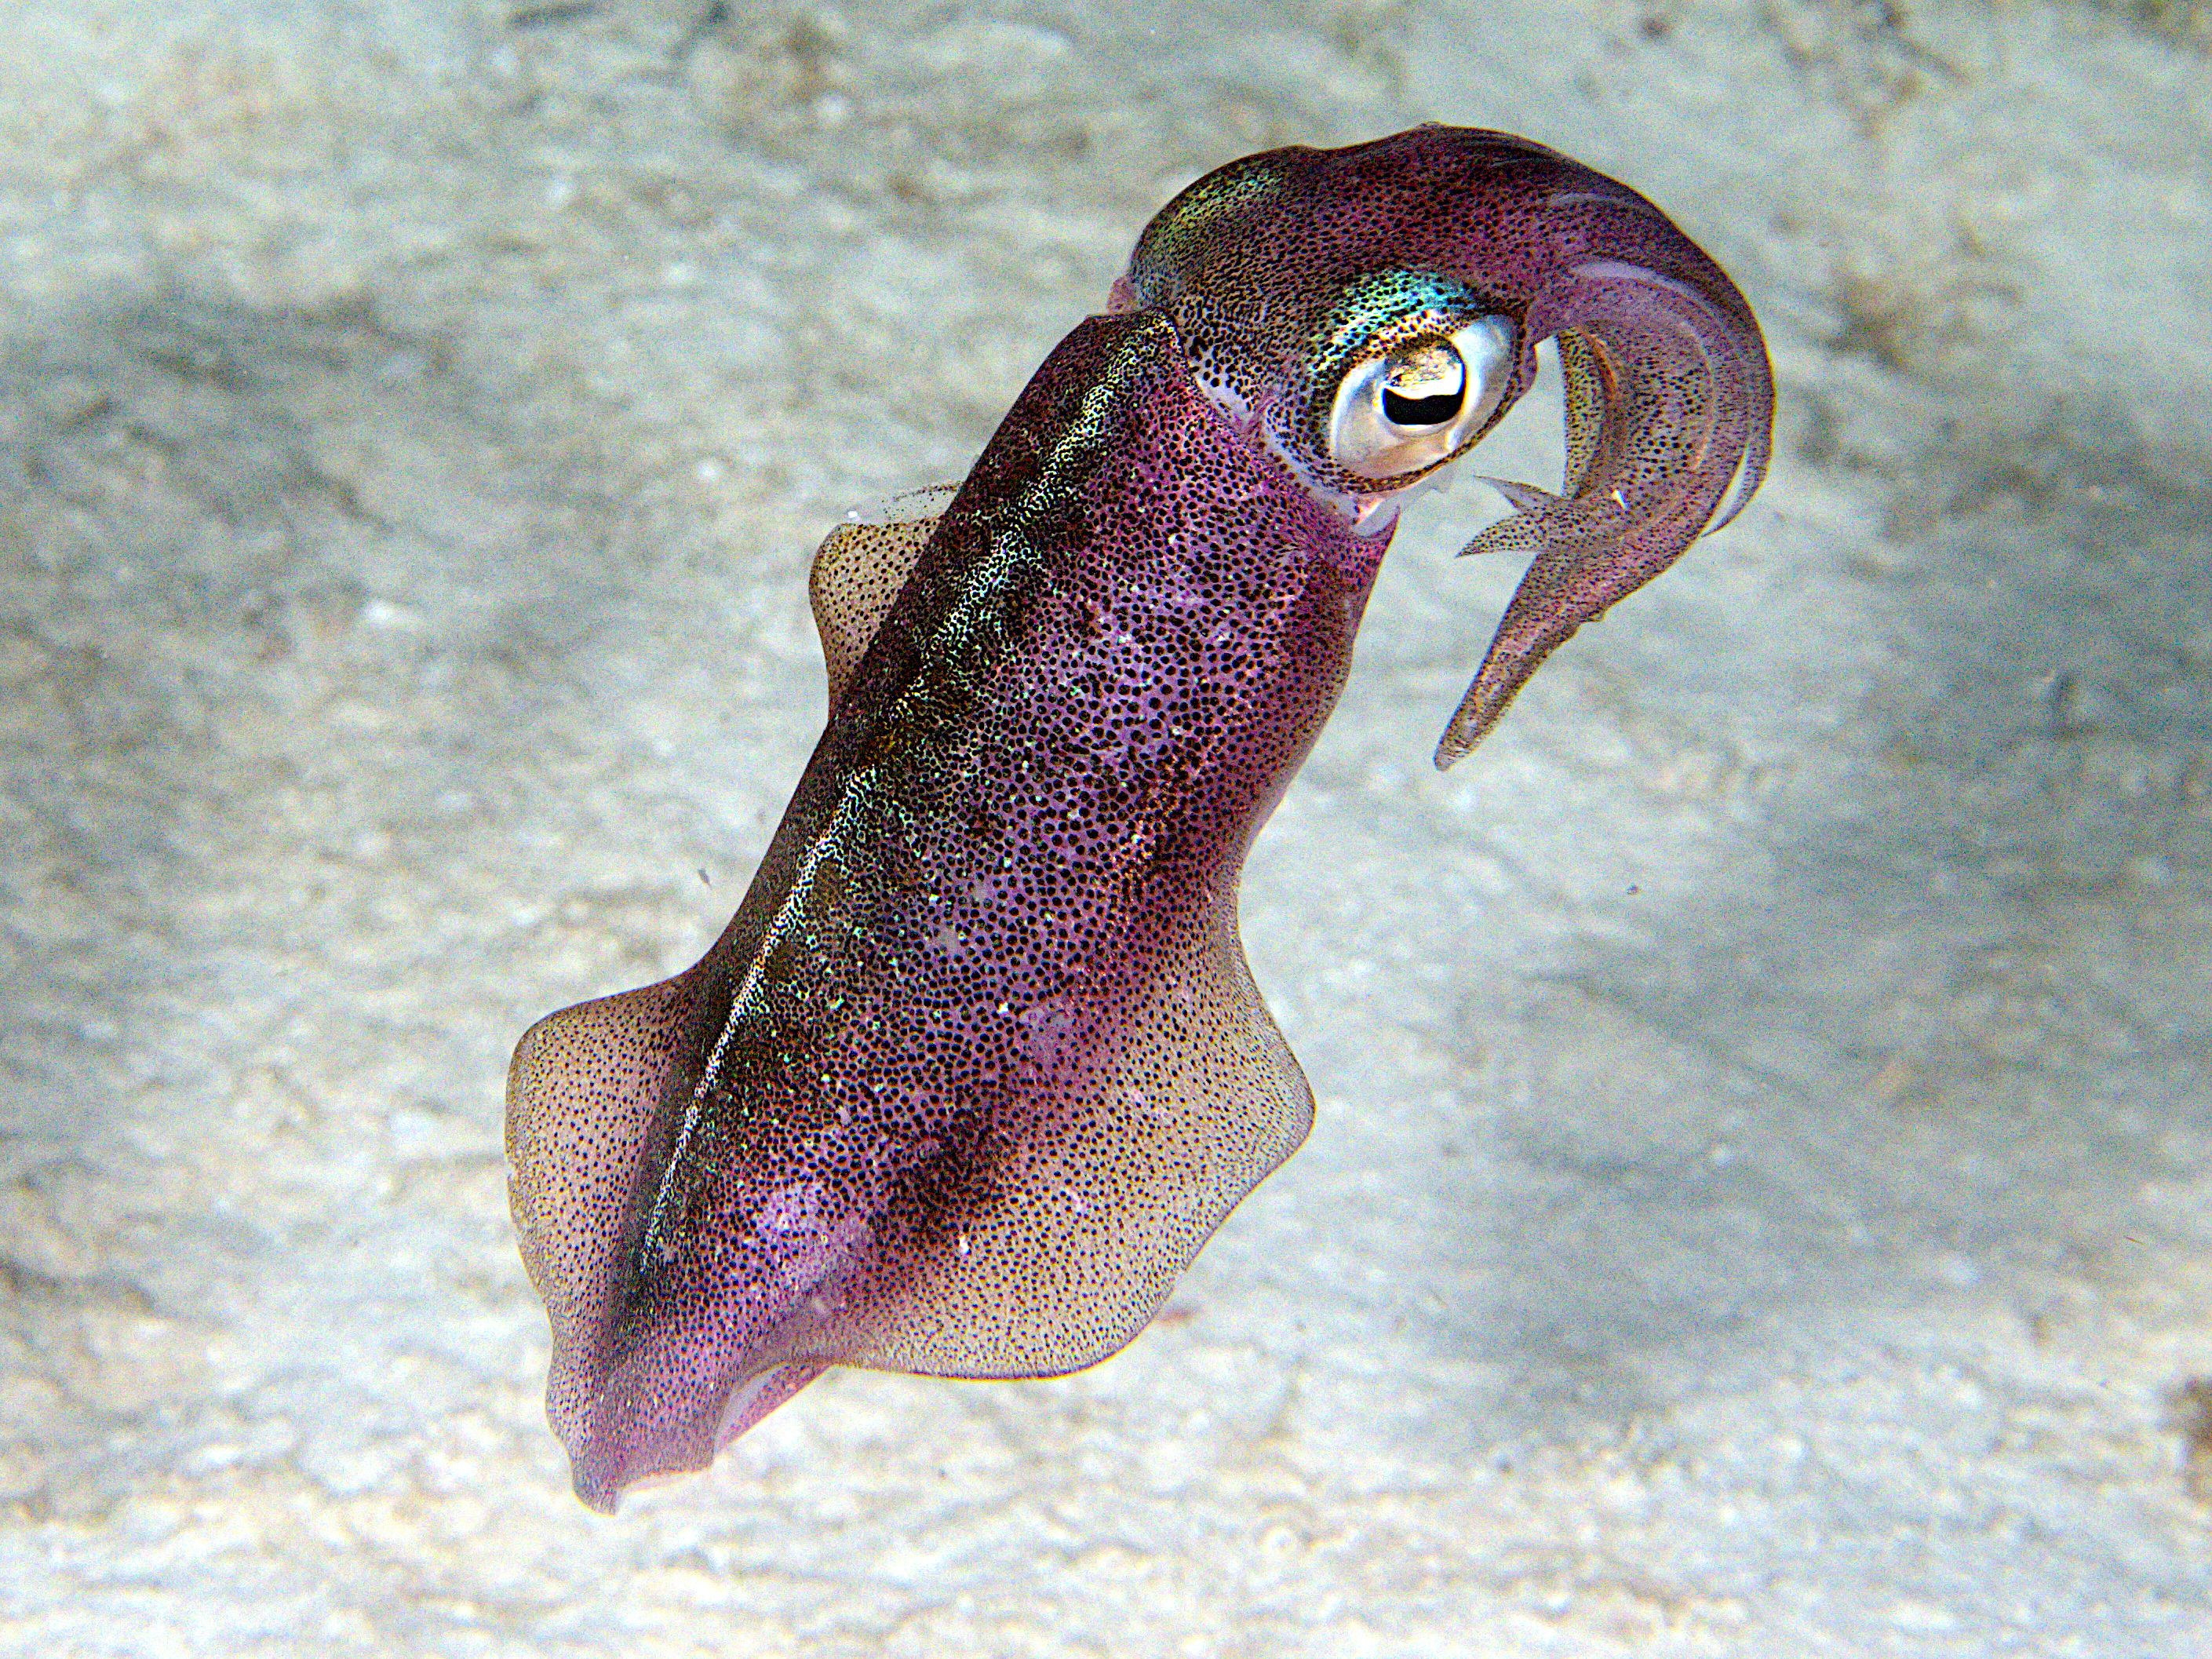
pixel 1433 411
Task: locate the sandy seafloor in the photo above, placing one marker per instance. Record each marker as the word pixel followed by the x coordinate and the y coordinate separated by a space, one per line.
pixel 1762 1198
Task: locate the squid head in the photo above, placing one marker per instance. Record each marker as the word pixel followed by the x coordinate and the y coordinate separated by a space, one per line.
pixel 978 1066
pixel 1368 314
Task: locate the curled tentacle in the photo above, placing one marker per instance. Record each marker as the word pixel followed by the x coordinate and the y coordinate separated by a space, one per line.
pixel 1668 400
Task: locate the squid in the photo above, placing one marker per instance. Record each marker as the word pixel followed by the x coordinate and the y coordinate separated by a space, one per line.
pixel 978 1066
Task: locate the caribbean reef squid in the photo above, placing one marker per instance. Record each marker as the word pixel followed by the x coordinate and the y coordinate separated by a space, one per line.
pixel 978 1066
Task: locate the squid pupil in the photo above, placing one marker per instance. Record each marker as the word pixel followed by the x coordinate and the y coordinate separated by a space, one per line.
pixel 1433 411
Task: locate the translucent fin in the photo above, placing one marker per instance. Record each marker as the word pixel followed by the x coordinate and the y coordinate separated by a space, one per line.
pixel 1077 1224
pixel 583 1092
pixel 859 570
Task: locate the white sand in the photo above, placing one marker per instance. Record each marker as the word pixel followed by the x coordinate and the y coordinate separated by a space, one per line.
pixel 1762 1203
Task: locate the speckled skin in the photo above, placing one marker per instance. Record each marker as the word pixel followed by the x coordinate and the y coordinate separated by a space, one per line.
pixel 978 1067
pixel 1279 269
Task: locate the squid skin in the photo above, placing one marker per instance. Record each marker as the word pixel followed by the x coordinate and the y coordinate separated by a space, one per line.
pixel 978 1066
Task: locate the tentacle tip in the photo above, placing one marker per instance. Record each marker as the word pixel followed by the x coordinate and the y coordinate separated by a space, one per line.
pixel 1457 743
pixel 1470 724
pixel 1523 497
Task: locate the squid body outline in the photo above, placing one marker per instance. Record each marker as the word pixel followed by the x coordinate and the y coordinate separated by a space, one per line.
pixel 978 1066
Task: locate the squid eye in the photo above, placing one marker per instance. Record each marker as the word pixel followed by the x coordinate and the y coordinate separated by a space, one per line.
pixel 1420 402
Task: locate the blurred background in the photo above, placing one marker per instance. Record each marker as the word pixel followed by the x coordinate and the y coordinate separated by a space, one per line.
pixel 1760 1201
